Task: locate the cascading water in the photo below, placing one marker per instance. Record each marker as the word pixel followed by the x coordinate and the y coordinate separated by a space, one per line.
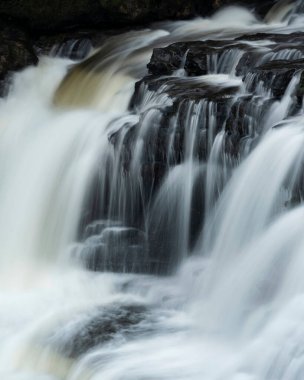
pixel 190 188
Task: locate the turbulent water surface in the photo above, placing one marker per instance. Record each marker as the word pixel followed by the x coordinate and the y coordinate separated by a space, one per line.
pixel 233 305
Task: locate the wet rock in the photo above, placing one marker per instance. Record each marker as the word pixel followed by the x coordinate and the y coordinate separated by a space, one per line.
pixel 276 75
pixel 185 93
pixel 288 46
pixel 199 54
pixel 98 226
pixel 74 48
pixel 97 328
pixel 193 56
pixel 300 91
pixel 282 65
pixel 165 61
pixel 295 38
pixel 179 89
pixel 129 236
pixel 5 84
pixel 250 60
pixel 16 52
pixel 73 44
pixel 244 123
pixel 191 98
pixel 196 62
pixel 117 249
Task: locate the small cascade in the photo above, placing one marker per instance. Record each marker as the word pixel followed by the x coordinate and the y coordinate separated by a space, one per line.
pixel 74 49
pixel 283 10
pixel 107 74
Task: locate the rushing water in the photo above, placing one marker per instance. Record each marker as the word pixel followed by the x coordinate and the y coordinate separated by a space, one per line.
pixel 234 309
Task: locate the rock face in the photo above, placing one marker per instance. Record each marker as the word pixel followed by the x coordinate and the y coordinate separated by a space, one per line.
pixel 66 14
pixel 63 14
pixel 16 52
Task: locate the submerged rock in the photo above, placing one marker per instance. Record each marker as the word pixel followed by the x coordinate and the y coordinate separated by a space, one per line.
pixel 115 248
pixel 86 332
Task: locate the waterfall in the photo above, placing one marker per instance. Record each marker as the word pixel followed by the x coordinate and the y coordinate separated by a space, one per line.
pixel 151 216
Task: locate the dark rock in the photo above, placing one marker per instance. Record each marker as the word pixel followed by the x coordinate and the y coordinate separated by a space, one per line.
pixel 276 75
pixel 16 47
pixel 64 14
pixel 98 226
pixel 248 61
pixel 264 57
pixel 74 44
pixel 185 88
pixel 295 38
pixel 193 56
pixel 116 235
pixel 16 52
pixel 97 328
pixel 74 48
pixel 282 65
pixel 300 91
pixel 117 249
pixel 244 123
pixel 196 62
pixel 165 61
pixel 187 94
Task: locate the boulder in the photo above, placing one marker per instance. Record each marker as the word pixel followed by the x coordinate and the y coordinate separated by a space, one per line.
pixel 97 327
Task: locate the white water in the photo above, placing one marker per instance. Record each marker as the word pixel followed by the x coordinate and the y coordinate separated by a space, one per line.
pixel 235 311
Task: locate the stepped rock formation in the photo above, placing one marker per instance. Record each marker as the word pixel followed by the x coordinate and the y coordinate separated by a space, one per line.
pixel 151 200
